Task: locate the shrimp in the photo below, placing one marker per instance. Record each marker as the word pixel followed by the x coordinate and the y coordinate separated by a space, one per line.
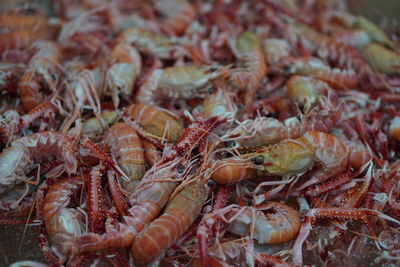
pixel 394 128
pixel 125 67
pixel 19 39
pixel 149 198
pixel 95 201
pixel 353 38
pixel 149 42
pixel 306 92
pixel 178 14
pixel 374 32
pixel 328 48
pixel 15 123
pixel 95 127
pixel 20 156
pixel 275 50
pixel 20 22
pixel 218 102
pixel 126 147
pixel 42 72
pixel 180 82
pixel 253 134
pixel 382 59
pixel 157 121
pixel 154 190
pixel 337 78
pixel 151 154
pixel 294 156
pixel 10 75
pixel 63 224
pixel 83 33
pixel 85 87
pixel 252 64
pixel 181 212
pixel 233 170
pixel 273 223
pixel 187 81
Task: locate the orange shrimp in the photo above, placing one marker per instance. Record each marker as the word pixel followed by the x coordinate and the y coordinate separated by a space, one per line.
pixel 179 82
pixel 382 59
pixel 156 121
pixel 218 102
pixel 42 72
pixel 232 170
pixel 294 156
pixel 253 134
pixel 149 42
pixel 152 155
pixel 125 67
pixel 180 213
pixel 337 78
pixel 19 39
pixel 328 48
pixel 275 223
pixel 126 148
pixel 179 14
pixel 21 22
pixel 252 64
pixel 149 199
pixel 307 92
pixel 153 192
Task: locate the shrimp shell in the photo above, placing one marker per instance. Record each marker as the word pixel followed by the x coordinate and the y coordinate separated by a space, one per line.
pixel 275 223
pixel 178 216
pixel 126 147
pixel 19 158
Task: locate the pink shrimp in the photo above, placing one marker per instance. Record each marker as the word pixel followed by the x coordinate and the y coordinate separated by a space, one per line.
pixel 252 64
pixel 42 73
pixel 179 14
pixel 63 224
pixel 125 67
pixel 20 156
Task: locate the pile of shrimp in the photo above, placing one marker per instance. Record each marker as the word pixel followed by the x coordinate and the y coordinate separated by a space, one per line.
pixel 201 133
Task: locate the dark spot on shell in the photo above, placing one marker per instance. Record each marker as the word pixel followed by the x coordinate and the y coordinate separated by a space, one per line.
pixel 258 160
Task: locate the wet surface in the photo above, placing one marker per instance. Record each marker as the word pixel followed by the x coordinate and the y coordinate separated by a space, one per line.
pixel 15 246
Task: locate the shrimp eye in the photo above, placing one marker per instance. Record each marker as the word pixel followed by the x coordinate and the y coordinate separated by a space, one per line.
pixel 180 168
pixel 210 182
pixel 212 69
pixel 229 144
pixel 258 160
pixel 211 90
pixel 287 68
